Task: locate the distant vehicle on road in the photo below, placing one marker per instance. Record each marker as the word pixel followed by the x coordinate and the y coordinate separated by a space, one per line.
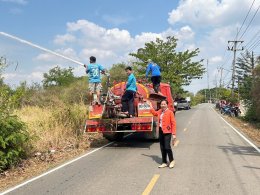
pixel 183 104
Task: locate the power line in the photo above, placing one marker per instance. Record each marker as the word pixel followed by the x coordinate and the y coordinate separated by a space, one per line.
pixel 245 17
pixel 226 60
pixel 254 46
pixel 258 32
pixel 249 23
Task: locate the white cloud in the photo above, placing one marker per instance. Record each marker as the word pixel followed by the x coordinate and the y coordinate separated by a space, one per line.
pixel 108 45
pixel 63 39
pixel 116 20
pixel 9 75
pixel 189 47
pixel 112 45
pixel 185 33
pixel 216 59
pixel 15 78
pixel 103 55
pixel 35 76
pixel 68 53
pixel 210 13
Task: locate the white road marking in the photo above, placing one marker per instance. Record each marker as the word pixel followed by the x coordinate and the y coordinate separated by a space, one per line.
pixel 57 168
pixel 249 142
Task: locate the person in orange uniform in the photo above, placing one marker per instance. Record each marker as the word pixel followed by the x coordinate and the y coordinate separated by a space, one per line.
pixel 167 132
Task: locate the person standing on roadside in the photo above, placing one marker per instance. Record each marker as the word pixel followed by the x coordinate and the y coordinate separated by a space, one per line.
pixel 167 132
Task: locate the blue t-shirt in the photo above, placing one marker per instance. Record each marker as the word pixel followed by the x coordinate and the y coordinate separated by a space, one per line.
pixel 131 83
pixel 156 70
pixel 94 72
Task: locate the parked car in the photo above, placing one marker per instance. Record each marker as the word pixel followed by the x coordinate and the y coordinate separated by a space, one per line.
pixel 175 105
pixel 183 104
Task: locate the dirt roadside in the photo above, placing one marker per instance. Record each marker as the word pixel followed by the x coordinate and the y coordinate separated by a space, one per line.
pixel 247 129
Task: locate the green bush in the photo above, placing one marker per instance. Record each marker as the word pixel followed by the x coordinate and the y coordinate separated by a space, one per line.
pixel 13 135
pixel 251 114
pixel 74 93
pixel 13 139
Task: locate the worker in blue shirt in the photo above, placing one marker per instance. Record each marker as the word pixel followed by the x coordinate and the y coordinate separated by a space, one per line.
pixel 93 70
pixel 128 97
pixel 156 74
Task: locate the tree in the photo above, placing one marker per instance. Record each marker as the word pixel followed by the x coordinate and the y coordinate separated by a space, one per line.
pixel 244 71
pixel 58 77
pixel 13 135
pixel 256 92
pixel 244 75
pixel 117 72
pixel 177 67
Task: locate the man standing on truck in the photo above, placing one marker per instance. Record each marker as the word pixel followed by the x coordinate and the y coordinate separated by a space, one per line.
pixel 93 70
pixel 128 97
pixel 156 74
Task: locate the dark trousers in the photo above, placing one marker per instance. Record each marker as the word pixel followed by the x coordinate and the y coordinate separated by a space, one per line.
pixel 128 102
pixel 156 80
pixel 165 145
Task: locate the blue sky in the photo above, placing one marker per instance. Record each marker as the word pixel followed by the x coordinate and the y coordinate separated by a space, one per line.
pixel 110 29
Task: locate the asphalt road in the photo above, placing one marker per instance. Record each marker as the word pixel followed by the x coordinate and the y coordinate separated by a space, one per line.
pixel 210 159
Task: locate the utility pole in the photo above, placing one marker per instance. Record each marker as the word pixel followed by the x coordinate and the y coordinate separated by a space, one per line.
pixel 216 87
pixel 234 49
pixel 205 95
pixel 220 80
pixel 208 80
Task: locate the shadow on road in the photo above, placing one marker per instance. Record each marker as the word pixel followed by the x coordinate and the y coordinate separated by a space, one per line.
pixel 133 141
pixel 155 158
pixel 241 150
pixel 252 167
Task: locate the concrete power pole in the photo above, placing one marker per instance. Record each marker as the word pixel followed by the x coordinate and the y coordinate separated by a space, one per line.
pixel 234 49
pixel 220 80
pixel 208 80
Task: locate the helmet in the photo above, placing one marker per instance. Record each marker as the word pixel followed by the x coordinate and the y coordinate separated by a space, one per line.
pixel 92 59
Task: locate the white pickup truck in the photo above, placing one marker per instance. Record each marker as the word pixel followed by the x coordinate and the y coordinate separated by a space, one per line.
pixel 183 104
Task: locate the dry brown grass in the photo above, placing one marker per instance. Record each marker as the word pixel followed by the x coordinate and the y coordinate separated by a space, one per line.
pixel 53 127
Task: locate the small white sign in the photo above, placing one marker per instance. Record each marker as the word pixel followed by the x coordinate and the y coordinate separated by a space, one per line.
pixel 144 106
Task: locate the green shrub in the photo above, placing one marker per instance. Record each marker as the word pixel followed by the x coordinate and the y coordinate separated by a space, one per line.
pixel 13 139
pixel 13 136
pixel 251 113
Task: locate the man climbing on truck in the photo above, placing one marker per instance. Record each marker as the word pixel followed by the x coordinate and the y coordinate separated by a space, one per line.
pixel 156 75
pixel 93 70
